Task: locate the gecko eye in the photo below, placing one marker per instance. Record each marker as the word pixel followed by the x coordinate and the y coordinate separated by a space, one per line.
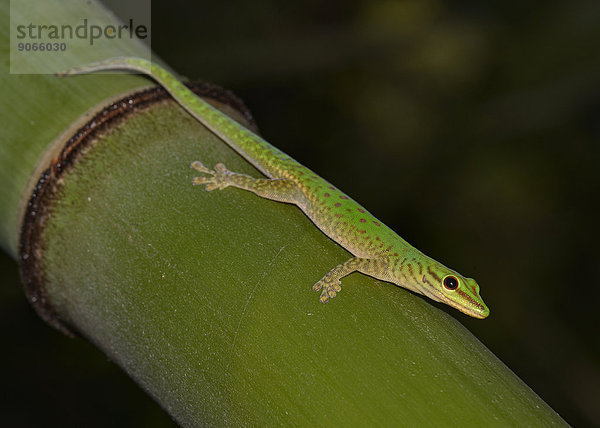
pixel 450 282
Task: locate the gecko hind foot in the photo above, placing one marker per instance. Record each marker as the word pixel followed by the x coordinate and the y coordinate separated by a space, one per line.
pixel 329 289
pixel 217 179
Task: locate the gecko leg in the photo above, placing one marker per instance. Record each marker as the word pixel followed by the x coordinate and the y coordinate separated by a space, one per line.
pixel 331 284
pixel 278 189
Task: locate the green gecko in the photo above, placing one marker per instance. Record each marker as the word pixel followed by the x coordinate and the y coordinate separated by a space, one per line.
pixel 377 250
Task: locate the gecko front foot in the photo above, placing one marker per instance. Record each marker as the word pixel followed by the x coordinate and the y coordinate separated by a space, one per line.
pixel 217 179
pixel 330 287
pixel 331 283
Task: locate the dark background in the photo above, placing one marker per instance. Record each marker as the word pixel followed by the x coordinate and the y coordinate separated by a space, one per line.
pixel 471 128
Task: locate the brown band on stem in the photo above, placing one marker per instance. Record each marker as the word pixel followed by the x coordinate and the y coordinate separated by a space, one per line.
pixel 31 246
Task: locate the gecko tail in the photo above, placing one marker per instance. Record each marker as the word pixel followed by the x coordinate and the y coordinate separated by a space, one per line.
pixel 124 63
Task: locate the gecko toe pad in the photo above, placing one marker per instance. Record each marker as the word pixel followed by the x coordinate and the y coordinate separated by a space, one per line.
pixel 329 289
pixel 217 178
pixel 199 166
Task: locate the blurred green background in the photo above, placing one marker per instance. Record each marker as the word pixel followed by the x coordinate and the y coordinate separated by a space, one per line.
pixel 471 128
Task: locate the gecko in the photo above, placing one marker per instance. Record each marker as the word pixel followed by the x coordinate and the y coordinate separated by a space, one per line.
pixel 377 251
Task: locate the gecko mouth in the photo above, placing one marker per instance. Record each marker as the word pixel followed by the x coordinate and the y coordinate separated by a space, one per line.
pixel 471 308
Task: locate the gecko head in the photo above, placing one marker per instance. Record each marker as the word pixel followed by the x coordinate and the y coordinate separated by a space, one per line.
pixel 444 285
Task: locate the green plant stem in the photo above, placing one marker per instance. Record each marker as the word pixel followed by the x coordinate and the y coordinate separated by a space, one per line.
pixel 38 109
